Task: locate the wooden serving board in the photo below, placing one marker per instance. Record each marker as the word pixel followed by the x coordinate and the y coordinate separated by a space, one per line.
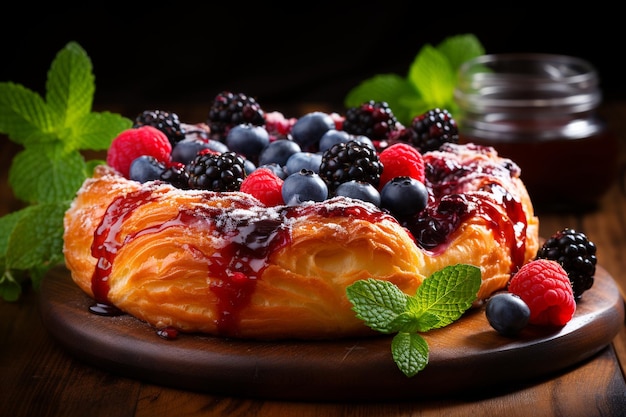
pixel 467 355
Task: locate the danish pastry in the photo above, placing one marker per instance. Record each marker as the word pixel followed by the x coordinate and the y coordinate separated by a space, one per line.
pixel 224 264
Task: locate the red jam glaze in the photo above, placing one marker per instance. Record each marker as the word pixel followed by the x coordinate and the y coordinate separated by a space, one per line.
pixel 237 266
pixel 449 205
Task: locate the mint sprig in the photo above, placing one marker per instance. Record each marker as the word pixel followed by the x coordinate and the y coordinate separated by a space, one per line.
pixel 429 82
pixel 440 300
pixel 50 168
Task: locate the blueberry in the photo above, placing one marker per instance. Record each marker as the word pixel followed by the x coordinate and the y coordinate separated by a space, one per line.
pixel 304 185
pixel 248 166
pixel 146 168
pixel 364 139
pixel 278 152
pixel 332 137
pixel 404 196
pixel 309 129
pixel 276 169
pixel 507 313
pixel 248 140
pixel 217 146
pixel 359 189
pixel 187 149
pixel 303 160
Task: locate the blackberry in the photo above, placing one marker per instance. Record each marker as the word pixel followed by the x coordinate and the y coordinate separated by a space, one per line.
pixel 176 175
pixel 432 129
pixel 232 109
pixel 576 254
pixel 347 161
pixel 216 172
pixel 167 122
pixel 373 119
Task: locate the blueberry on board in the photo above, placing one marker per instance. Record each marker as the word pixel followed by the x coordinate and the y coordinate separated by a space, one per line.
pixel 145 168
pixel 404 196
pixel 507 313
pixel 304 185
pixel 360 190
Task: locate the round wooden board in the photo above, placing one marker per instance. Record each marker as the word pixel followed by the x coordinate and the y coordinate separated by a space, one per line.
pixel 467 355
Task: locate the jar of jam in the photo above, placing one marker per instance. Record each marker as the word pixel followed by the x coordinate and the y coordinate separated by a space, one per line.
pixel 540 110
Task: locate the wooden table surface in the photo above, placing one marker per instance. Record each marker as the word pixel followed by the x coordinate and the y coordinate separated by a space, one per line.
pixel 39 378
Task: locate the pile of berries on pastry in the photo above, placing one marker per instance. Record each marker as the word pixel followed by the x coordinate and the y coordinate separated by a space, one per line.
pixel 251 224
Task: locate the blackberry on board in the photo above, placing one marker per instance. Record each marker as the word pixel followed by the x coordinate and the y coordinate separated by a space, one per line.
pixel 373 119
pixel 216 172
pixel 231 109
pixel 432 129
pixel 347 161
pixel 167 122
pixel 576 254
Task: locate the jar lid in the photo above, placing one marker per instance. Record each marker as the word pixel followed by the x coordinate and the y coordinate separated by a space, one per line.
pixel 527 82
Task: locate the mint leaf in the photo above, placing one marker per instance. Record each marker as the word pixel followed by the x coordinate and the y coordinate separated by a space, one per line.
pixel 10 287
pixel 70 85
pixel 461 48
pixel 37 236
pixel 95 131
pixel 50 169
pixel 448 293
pixel 429 83
pixel 410 352
pixel 377 302
pixel 45 173
pixel 396 91
pixel 433 76
pixel 24 116
pixel 441 299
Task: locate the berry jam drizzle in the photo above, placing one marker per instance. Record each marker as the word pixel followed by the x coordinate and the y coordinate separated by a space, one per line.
pixel 234 269
pixel 106 243
pixel 449 205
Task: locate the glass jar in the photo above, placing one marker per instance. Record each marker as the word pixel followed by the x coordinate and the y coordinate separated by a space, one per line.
pixel 540 110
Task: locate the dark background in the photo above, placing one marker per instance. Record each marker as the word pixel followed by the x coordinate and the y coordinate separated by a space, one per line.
pixel 156 57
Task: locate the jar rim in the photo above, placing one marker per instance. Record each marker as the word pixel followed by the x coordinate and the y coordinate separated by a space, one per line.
pixel 528 80
pixel 579 69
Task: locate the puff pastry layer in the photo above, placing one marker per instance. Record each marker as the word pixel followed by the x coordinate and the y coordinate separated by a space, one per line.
pixel 224 264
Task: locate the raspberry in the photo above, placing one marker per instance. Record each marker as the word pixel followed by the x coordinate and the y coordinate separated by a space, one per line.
pixel 278 126
pixel 167 122
pixel 545 286
pixel 263 184
pixel 401 160
pixel 135 142
pixel 339 120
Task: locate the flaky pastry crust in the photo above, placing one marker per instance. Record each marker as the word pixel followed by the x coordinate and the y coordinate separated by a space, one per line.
pixel 171 253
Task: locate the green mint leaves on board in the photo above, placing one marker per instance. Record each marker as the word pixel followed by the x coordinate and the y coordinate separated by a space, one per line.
pixel 440 300
pixel 53 132
pixel 429 82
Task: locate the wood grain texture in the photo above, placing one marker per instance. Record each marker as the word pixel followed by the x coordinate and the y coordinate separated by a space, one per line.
pixel 466 355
